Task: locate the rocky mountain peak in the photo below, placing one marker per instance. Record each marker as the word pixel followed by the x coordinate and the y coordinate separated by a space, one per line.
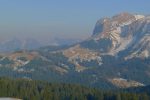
pixel 123 32
pixel 105 25
pixel 123 17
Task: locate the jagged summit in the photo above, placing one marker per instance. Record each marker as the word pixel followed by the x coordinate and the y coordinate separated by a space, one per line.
pixel 123 32
pixel 123 17
pixel 106 24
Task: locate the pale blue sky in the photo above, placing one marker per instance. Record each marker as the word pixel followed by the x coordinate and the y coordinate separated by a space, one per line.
pixel 45 19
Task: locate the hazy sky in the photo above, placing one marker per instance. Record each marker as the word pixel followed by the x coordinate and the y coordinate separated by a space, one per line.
pixel 45 19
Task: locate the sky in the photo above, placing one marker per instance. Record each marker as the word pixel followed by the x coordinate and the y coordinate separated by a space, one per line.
pixel 48 19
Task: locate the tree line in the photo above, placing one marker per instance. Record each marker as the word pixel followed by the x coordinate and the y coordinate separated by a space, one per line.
pixel 38 90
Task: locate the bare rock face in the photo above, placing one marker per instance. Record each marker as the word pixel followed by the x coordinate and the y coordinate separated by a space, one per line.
pixel 112 28
pixel 105 25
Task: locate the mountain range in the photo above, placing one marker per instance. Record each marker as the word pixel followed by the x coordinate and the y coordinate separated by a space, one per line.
pixel 117 55
pixel 16 44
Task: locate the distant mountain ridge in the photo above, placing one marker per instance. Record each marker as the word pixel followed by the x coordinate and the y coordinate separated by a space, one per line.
pixel 18 44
